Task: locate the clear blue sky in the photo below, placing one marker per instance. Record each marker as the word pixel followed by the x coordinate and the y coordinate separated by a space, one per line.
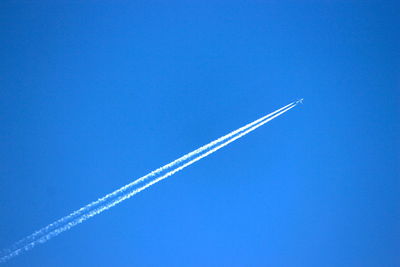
pixel 95 95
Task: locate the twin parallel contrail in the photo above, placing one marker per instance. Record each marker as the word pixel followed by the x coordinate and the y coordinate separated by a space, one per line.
pixel 96 207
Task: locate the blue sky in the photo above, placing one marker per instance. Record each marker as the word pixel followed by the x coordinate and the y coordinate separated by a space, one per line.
pixel 95 95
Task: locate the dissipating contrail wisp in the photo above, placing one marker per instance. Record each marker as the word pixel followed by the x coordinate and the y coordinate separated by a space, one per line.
pixel 104 203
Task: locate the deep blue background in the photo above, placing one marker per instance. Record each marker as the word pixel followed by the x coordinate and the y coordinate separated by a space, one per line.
pixel 95 95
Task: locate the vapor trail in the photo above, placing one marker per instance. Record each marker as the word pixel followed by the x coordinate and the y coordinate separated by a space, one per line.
pixel 120 191
pixel 133 188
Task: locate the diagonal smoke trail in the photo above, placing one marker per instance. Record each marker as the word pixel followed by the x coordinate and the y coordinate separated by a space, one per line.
pixel 133 188
pixel 114 194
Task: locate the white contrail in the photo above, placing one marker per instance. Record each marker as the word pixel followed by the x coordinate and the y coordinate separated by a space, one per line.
pixel 112 195
pixel 133 188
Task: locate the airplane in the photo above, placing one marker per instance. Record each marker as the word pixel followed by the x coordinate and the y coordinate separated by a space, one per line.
pixel 300 101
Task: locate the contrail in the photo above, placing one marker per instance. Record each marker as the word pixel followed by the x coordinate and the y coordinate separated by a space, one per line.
pixel 123 189
pixel 133 188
